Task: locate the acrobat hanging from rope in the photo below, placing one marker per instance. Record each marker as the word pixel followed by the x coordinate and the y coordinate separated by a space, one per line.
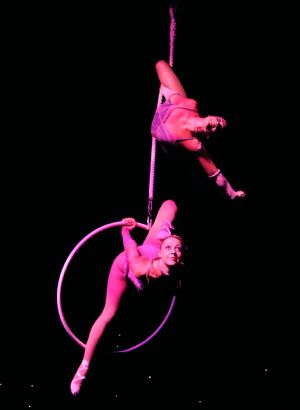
pixel 177 121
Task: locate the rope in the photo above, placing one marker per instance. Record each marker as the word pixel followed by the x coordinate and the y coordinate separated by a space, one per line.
pixel 159 101
pixel 172 33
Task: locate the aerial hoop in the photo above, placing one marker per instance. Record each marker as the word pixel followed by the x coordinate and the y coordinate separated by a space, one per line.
pixel 61 279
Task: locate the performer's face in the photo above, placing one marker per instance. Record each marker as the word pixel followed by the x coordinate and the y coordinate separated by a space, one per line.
pixel 171 251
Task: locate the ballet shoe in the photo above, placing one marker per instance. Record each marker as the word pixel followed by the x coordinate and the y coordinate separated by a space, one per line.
pixel 78 379
pixel 165 230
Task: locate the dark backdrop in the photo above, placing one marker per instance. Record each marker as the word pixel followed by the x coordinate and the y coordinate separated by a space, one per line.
pixel 82 92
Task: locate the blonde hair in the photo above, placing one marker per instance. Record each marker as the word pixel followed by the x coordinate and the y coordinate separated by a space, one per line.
pixel 176 237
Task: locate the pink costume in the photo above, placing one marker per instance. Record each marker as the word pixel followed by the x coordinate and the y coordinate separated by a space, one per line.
pixel 151 245
pixel 150 250
pixel 163 112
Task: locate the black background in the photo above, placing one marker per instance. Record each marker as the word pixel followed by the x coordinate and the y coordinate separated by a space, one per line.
pixel 82 90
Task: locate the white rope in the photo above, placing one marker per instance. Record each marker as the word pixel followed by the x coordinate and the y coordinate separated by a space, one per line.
pixel 159 101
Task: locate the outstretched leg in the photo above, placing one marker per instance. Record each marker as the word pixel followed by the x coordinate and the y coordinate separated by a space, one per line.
pixel 116 287
pixel 165 216
pixel 168 78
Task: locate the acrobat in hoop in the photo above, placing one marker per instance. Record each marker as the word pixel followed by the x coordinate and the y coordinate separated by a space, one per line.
pixel 62 276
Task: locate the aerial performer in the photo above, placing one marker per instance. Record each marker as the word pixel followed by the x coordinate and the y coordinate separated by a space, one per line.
pixel 177 121
pixel 159 256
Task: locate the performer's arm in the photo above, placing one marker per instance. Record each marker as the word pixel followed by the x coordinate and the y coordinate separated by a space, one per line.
pixel 135 260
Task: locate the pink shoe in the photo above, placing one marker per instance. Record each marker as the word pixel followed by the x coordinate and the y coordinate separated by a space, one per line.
pixel 165 230
pixel 79 377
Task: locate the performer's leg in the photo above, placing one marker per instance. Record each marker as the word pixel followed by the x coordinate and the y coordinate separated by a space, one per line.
pixel 116 287
pixel 164 218
pixel 168 78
